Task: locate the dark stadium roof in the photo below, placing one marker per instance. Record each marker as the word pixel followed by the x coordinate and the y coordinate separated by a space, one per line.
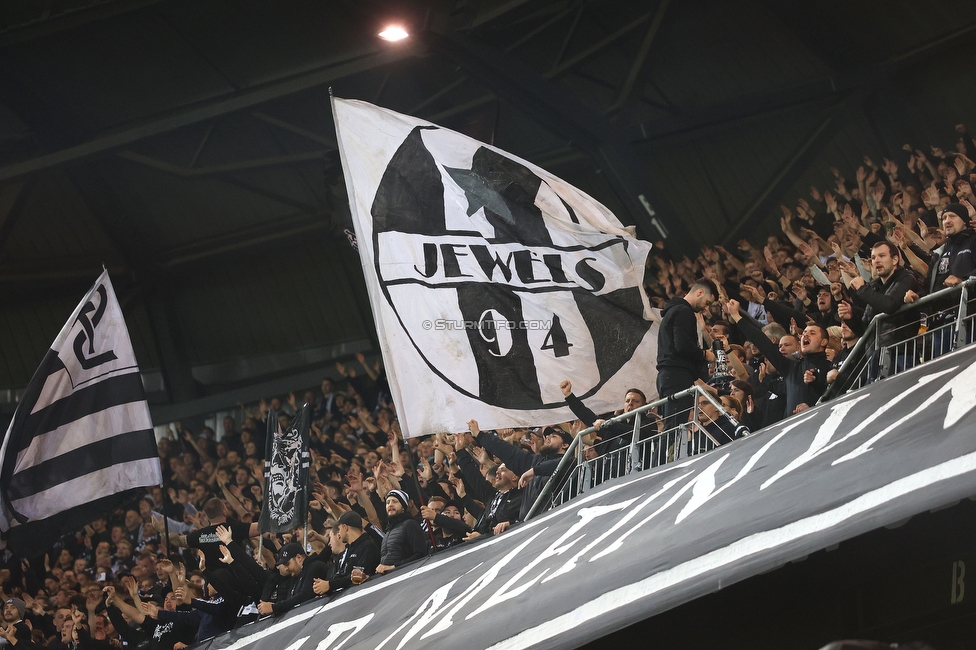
pixel 188 145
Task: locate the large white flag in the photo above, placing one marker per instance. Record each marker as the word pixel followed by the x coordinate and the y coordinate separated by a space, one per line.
pixel 81 438
pixel 490 279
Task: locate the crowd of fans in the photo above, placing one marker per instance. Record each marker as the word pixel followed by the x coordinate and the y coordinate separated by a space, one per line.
pixel 786 314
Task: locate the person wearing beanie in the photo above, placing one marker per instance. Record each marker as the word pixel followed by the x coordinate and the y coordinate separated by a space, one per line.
pixel 405 540
pixel 950 265
pixel 14 629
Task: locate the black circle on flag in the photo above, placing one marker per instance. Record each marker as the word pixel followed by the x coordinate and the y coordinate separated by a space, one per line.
pixel 498 300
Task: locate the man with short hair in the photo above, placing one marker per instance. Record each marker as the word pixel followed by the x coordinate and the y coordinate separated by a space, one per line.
pixel 405 540
pixel 301 574
pixel 206 538
pixel 681 359
pixel 805 378
pixel 446 522
pixel 499 491
pixel 523 463
pixel 885 294
pixel 360 552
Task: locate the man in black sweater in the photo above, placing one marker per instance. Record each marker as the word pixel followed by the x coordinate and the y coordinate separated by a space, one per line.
pixel 680 356
pixel 805 378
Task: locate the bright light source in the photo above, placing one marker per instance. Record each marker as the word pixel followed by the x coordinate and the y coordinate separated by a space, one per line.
pixel 394 33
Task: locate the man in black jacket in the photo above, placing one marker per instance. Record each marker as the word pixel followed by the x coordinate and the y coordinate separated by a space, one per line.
pixel 502 498
pixel 405 540
pixel 522 463
pixel 805 378
pixel 885 294
pixel 360 552
pixel 949 267
pixel 302 572
pixel 446 522
pixel 680 356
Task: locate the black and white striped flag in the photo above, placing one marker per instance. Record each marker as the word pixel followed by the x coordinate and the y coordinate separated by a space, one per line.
pixel 82 438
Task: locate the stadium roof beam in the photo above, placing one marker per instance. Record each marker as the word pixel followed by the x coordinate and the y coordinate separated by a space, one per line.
pixel 211 109
pixel 557 109
pixel 598 46
pixel 641 59
pixel 863 83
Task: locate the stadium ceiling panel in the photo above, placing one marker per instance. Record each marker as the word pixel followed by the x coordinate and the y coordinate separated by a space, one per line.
pixel 188 146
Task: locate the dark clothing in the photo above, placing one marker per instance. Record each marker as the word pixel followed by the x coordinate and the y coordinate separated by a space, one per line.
pixel 519 461
pixel 619 435
pixel 298 589
pixel 878 296
pixel 452 531
pixel 212 616
pixel 404 542
pixel 23 636
pixel 164 635
pixel 887 297
pixel 361 553
pixel 678 346
pixel 797 392
pixel 721 431
pixel 207 541
pixel 680 358
pixel 499 506
pixel 131 636
pixel 956 258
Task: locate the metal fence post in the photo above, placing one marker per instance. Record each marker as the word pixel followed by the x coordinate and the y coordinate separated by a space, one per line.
pixel 633 458
pixel 961 317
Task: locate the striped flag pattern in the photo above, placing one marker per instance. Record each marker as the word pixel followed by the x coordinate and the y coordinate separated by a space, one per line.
pixel 82 439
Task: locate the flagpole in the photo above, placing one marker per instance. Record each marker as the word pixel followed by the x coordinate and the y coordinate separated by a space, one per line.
pixel 162 488
pixel 420 496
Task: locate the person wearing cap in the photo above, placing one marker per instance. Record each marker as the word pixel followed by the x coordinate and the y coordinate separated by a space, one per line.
pixel 15 630
pixel 533 470
pixel 301 572
pixel 405 540
pixel 360 551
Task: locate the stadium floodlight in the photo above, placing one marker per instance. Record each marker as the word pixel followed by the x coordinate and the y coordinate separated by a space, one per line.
pixel 394 33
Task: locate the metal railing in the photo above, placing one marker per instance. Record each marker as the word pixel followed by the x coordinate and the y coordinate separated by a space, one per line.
pixel 894 343
pixel 647 444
